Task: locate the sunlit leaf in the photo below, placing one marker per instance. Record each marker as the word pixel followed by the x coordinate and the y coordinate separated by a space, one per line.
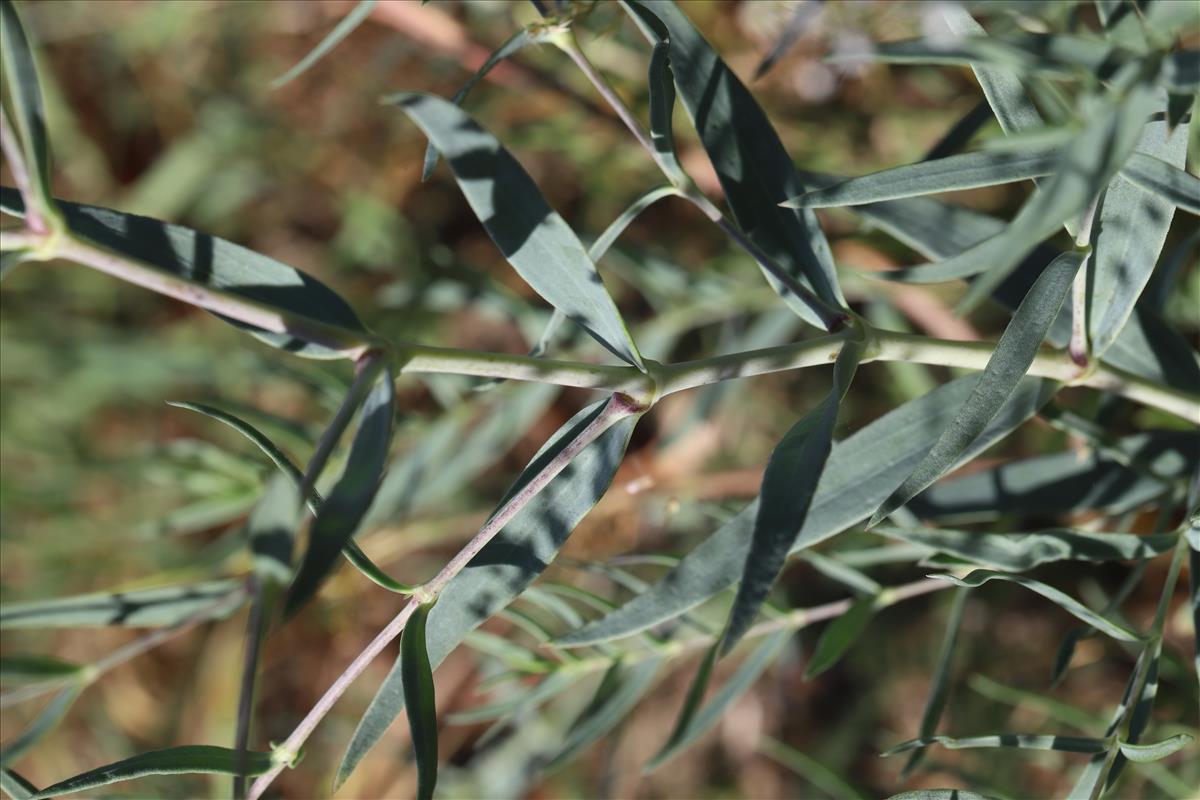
pixel 417 677
pixel 343 29
pixel 1066 744
pixel 1142 753
pixel 150 608
pixel 1062 600
pixel 534 239
pixel 184 760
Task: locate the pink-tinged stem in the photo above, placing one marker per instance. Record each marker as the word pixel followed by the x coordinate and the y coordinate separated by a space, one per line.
pixel 20 173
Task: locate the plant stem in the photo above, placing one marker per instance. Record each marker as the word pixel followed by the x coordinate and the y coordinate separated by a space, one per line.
pixel 245 710
pixel 617 408
pixel 1079 349
pixel 20 172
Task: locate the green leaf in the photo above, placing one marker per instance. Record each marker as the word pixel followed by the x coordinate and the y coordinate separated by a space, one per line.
pixel 755 170
pixel 788 486
pixel 351 551
pixel 184 760
pixel 25 95
pixel 1021 552
pixel 1063 601
pixel 802 14
pixel 862 470
pixel 812 770
pixel 839 635
pixel 534 239
pixel 197 258
pixel 661 82
pixel 9 259
pixel 45 722
pixel 511 46
pixel 553 684
pixel 36 669
pixel 151 608
pixel 417 677
pixel 939 684
pixel 272 529
pixel 16 786
pixel 1008 364
pixel 620 690
pixel 1181 71
pixel 939 794
pixel 340 515
pixel 695 721
pixel 1133 219
pixel 509 563
pixel 1065 744
pixel 966 171
pixel 1143 753
pixel 344 28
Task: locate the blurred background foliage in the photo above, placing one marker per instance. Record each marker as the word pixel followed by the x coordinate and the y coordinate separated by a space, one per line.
pixel 165 109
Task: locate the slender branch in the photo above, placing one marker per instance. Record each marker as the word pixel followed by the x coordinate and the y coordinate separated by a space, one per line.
pixel 20 173
pixel 245 709
pixel 617 408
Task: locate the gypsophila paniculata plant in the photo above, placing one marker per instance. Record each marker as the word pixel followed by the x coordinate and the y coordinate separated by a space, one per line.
pixel 1095 104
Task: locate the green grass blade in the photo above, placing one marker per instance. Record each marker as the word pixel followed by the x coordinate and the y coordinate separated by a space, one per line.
pixel 198 258
pixel 344 28
pixel 45 722
pixel 620 690
pixel 36 669
pixel 417 678
pixel 185 760
pixel 509 563
pixel 25 94
pixel 532 236
pixel 755 170
pixel 1021 552
pixel 939 684
pixel 966 171
pixel 347 503
pixel 1009 362
pixel 788 486
pixel 839 635
pixel 862 470
pixel 151 608
pixel 1060 599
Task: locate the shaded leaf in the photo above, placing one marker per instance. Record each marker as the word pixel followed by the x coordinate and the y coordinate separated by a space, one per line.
pixel 553 684
pixel 788 486
pixel 184 760
pixel 1021 552
pixel 862 470
pixel 1008 364
pixel 1166 180
pixel 509 563
pixel 661 82
pixel 755 171
pixel 343 29
pixel 339 516
pixel 939 684
pixel 156 607
pixel 272 529
pixel 41 726
pixel 839 635
pixel 534 239
pixel 36 669
pixel 16 786
pixel 802 14
pixel 1063 601
pixel 417 678
pixel 810 769
pixel 197 258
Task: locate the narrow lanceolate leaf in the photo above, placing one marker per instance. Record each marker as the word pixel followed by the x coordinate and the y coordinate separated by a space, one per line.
pixel 940 794
pixel 661 81
pixel 511 46
pixel 343 29
pixel 23 91
pixel 1011 360
pixel 185 760
pixel 36 669
pixel 351 551
pixel 1143 753
pixel 1063 601
pixel 839 635
pixel 618 226
pixel 43 724
pixel 966 171
pixel 1065 744
pixel 193 257
pixel 834 786
pixel 508 564
pixel 862 470
pixel 366 379
pixel 939 684
pixel 16 786
pixel 339 517
pixel 1088 163
pixel 621 689
pixel 553 684
pixel 694 721
pixel 755 170
pixel 1181 71
pixel 531 235
pixel 1132 224
pixel 149 608
pixel 272 529
pixel 789 484
pixel 417 678
pixel 1021 552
